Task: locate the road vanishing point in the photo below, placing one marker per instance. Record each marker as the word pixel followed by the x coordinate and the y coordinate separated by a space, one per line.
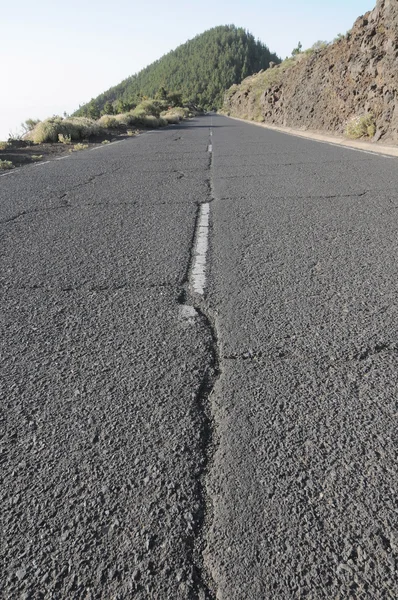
pixel 199 358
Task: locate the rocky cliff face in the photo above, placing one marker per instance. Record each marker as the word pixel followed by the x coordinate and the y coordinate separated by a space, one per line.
pixel 324 88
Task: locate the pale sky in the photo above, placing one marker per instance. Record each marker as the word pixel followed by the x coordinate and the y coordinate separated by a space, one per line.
pixel 56 56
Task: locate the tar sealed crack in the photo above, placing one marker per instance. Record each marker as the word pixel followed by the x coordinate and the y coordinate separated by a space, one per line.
pixel 205 586
pixel 64 201
pixel 205 583
pixel 253 355
pixel 86 286
pixel 376 349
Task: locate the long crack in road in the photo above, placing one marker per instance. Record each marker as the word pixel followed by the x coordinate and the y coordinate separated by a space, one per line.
pixel 199 357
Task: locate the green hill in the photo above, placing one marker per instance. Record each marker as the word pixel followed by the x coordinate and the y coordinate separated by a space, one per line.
pixel 200 70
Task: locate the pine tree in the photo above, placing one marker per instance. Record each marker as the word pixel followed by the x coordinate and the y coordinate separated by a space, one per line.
pixel 108 108
pixel 93 110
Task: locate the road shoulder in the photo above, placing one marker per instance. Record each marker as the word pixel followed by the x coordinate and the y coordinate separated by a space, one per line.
pixel 326 138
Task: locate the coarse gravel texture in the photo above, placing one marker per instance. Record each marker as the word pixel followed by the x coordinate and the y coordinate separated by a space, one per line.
pixel 247 451
pixel 303 288
pixel 103 428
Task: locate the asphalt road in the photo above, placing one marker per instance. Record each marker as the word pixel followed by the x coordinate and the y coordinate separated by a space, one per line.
pixel 247 450
pixel 304 282
pixel 102 373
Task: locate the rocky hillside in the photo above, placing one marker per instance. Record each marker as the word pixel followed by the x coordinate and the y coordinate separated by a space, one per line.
pixel 354 81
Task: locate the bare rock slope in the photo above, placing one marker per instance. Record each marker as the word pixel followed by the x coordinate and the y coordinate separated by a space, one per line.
pixel 323 89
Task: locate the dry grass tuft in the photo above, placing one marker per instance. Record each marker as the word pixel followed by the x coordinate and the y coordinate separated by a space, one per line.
pixel 75 128
pixel 5 165
pixel 360 126
pixel 78 147
pixel 71 129
pixel 64 139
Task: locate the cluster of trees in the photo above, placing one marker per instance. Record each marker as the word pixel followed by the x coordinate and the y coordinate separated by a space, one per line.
pixel 200 71
pixel 95 109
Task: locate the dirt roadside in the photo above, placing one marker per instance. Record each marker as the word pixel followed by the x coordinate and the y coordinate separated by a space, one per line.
pixel 22 153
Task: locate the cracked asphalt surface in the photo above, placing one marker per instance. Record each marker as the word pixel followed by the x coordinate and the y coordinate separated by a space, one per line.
pixel 304 287
pixel 249 452
pixel 102 428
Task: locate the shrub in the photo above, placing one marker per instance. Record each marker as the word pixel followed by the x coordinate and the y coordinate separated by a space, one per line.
pixel 78 147
pixel 3 145
pixel 122 118
pixel 140 117
pixel 29 124
pixel 172 118
pixel 46 131
pixel 339 36
pixel 84 127
pixel 150 121
pixel 109 122
pixel 360 126
pixel 104 142
pixel 148 108
pixel 76 128
pixel 139 113
pixel 176 114
pixel 36 157
pixel 64 139
pixel 127 119
pixel 319 45
pixel 6 164
pixel 178 110
pixel 15 136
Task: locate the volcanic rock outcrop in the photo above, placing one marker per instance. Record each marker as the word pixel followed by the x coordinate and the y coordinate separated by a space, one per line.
pixel 322 89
